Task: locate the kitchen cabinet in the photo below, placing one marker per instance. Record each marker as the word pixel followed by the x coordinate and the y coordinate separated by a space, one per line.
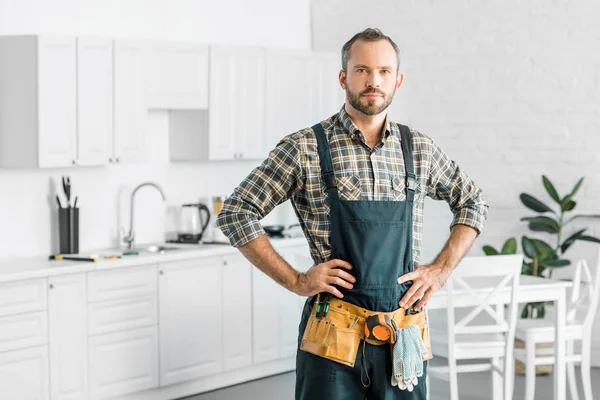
pixel 302 89
pixel 70 101
pixel 67 317
pixel 24 374
pixel 190 320
pixel 237 312
pixel 123 362
pixel 236 103
pixel 178 76
pixel 128 140
pixel 94 100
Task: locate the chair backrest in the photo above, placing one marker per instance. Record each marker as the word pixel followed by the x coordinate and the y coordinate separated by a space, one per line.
pixel 489 283
pixel 585 294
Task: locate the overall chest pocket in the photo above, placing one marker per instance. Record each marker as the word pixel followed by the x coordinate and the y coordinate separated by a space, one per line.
pixel 399 189
pixel 349 187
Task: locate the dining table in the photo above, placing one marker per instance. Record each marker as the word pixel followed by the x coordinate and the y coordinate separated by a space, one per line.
pixel 530 289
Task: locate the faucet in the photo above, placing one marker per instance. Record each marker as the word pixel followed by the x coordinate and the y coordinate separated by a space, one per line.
pixel 130 237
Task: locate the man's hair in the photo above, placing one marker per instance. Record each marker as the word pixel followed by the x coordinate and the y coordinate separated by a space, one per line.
pixel 369 35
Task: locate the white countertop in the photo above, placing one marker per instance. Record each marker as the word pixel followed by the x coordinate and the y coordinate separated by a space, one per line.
pixel 17 269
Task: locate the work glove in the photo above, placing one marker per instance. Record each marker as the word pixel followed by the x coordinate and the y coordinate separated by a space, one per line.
pixel 407 358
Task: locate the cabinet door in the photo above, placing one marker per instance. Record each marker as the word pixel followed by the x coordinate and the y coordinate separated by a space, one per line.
pixel 237 312
pixel 236 104
pixel 190 320
pixel 179 76
pixel 266 313
pixel 57 107
pixel 123 362
pixel 67 318
pixel 326 94
pixel 288 99
pixel 24 374
pixel 129 102
pixel 94 101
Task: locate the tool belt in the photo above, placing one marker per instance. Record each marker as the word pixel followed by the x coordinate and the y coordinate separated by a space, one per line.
pixel 338 335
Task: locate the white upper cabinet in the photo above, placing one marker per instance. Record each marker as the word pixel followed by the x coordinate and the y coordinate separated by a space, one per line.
pixel 178 76
pixel 38 109
pixel 128 144
pixel 94 100
pixel 302 89
pixel 236 105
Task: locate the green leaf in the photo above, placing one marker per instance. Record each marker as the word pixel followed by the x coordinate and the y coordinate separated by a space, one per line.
pixel 510 246
pixel 576 188
pixel 525 312
pixel 527 269
pixel 550 189
pixel 490 251
pixel 541 310
pixel 528 247
pixel 589 239
pixel 556 263
pixel 590 216
pixel 544 224
pixel 534 204
pixel 568 206
pixel 570 240
pixel 543 248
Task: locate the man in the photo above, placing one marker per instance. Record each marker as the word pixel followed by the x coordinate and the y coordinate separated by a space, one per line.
pixel 357 182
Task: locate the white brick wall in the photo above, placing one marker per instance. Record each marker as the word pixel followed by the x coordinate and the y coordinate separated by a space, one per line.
pixel 510 89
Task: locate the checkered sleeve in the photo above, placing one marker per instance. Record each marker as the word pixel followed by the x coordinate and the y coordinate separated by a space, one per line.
pixel 271 183
pixel 448 182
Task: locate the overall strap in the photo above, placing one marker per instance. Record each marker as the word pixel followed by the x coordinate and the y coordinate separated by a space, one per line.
pixel 407 147
pixel 327 174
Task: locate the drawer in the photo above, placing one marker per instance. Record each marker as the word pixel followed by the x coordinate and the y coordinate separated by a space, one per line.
pixel 122 314
pixel 23 330
pixel 24 374
pixel 22 297
pixel 122 283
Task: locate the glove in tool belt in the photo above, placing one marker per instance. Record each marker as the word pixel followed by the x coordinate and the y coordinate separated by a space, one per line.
pixel 338 335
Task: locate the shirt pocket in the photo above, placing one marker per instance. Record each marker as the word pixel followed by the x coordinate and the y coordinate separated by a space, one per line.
pixel 349 187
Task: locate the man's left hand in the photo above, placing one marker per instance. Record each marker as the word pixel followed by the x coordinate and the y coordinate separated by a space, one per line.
pixel 427 279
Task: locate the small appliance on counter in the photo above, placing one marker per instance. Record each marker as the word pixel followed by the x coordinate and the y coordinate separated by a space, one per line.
pixel 192 225
pixel 279 231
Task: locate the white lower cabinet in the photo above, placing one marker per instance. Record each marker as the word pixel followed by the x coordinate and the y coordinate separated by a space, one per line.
pixel 67 319
pixel 123 362
pixel 24 374
pixel 237 312
pixel 190 320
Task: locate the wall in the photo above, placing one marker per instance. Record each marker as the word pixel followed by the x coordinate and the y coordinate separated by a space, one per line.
pixel 510 90
pixel 27 212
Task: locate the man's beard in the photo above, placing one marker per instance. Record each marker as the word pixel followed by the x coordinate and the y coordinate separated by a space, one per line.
pixel 370 108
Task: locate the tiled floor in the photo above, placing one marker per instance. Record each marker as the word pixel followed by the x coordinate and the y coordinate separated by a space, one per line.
pixel 474 386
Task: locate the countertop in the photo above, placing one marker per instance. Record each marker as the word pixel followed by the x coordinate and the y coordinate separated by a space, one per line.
pixel 18 269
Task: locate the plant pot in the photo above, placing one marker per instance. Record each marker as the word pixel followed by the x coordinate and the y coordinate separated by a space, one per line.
pixel 539 369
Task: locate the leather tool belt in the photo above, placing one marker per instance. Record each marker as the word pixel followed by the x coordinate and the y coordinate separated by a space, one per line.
pixel 338 336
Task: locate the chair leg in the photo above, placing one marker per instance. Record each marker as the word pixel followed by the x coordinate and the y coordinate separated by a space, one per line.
pixel 571 372
pixel 453 379
pixel 496 379
pixel 585 367
pixel 427 386
pixel 530 369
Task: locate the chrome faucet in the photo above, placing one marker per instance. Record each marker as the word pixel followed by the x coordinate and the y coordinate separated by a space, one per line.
pixel 130 237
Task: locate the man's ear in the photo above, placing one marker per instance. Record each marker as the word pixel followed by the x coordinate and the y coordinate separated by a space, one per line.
pixel 399 80
pixel 342 78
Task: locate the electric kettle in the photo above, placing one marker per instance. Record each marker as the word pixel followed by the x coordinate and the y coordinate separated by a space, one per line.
pixel 191 223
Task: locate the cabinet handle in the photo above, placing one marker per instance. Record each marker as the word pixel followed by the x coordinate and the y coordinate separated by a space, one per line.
pixel 224 262
pixel 74 162
pixel 117 159
pixel 51 286
pixel 241 155
pixel 161 272
pixel 110 160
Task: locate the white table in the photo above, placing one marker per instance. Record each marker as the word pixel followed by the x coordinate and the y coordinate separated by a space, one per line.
pixel 532 289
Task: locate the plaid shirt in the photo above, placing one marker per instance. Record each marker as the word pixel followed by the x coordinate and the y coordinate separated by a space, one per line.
pixel 292 171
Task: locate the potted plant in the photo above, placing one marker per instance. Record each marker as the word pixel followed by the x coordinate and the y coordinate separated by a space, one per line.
pixel 539 257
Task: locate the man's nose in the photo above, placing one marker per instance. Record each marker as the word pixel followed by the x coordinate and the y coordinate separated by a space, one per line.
pixel 373 80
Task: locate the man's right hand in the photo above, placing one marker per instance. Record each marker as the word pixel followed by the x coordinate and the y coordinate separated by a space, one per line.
pixel 321 278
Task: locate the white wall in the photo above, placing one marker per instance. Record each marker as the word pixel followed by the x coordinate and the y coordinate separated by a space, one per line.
pixel 28 214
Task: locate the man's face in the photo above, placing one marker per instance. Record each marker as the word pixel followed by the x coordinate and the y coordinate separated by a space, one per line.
pixel 371 77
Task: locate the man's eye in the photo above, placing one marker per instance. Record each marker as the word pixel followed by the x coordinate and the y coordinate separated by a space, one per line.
pixel 386 71
pixel 360 70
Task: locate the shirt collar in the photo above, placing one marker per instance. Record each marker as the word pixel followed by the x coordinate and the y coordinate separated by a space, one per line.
pixel 353 131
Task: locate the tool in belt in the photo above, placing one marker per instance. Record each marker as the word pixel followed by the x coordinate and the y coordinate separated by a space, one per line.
pixel 337 333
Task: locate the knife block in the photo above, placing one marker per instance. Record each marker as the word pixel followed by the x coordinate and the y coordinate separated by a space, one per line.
pixel 68 230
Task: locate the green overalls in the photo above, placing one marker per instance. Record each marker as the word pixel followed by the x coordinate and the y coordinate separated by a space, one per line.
pixel 376 238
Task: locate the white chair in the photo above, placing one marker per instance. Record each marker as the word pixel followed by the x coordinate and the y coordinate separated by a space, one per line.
pixel 580 318
pixel 476 327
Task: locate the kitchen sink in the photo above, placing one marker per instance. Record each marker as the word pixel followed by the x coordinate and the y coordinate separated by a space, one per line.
pixel 158 249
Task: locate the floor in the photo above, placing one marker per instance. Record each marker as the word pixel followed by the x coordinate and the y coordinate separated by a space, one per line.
pixel 475 386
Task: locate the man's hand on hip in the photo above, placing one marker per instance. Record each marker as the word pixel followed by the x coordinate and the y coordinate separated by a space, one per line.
pixel 321 278
pixel 427 279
